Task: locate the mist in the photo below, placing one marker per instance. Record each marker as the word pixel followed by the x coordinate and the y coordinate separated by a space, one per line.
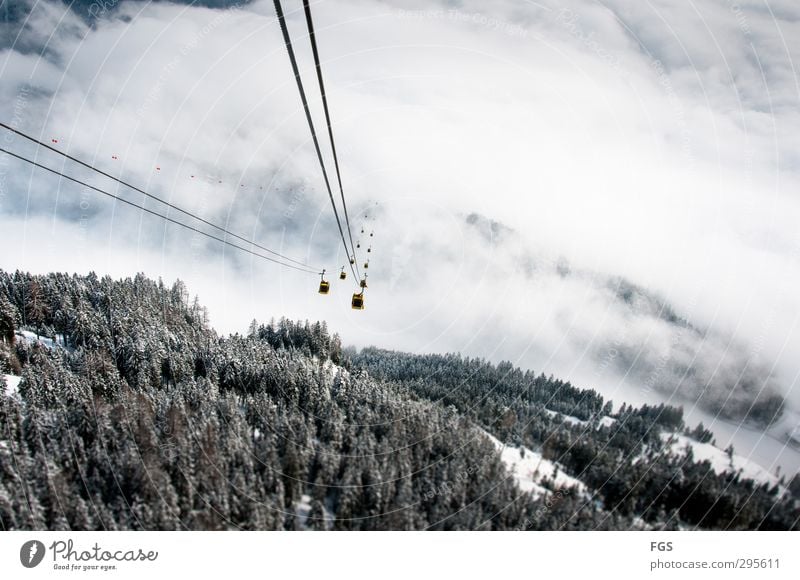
pixel 604 193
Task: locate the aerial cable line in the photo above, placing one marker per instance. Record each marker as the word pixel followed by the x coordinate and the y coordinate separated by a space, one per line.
pixel 151 196
pixel 155 213
pixel 288 42
pixel 312 36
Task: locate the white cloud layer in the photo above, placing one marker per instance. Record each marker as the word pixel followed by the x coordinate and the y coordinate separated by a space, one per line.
pixel 657 142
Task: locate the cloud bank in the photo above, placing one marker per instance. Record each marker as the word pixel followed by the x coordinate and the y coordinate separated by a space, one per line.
pixel 554 179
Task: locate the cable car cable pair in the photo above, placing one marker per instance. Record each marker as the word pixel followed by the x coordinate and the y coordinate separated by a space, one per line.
pixel 293 61
pixel 313 38
pixel 155 213
pixel 148 195
pixel 357 301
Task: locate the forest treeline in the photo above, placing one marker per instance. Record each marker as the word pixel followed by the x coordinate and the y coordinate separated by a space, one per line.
pixel 132 413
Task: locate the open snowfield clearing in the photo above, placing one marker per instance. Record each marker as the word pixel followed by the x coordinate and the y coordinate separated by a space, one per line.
pixel 720 461
pixel 530 468
pixel 12 384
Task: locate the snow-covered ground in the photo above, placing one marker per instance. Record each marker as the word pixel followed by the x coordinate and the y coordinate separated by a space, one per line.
pixel 719 459
pixel 302 509
pixel 605 420
pixel 330 369
pixel 767 448
pixel 529 468
pixel 12 384
pixel 31 337
pixel 565 418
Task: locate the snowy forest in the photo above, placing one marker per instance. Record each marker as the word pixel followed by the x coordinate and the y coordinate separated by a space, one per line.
pixel 122 409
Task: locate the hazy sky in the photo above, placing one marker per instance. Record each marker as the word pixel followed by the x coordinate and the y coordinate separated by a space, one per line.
pixel 652 141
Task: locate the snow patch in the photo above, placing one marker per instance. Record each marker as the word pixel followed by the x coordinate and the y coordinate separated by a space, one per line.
pixel 330 369
pixel 28 336
pixel 719 459
pixel 530 468
pixel 788 428
pixel 639 524
pixel 302 509
pixel 12 384
pixel 606 421
pixel 565 418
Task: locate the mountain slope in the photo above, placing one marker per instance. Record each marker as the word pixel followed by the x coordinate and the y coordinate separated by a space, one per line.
pixel 633 332
pixel 137 415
